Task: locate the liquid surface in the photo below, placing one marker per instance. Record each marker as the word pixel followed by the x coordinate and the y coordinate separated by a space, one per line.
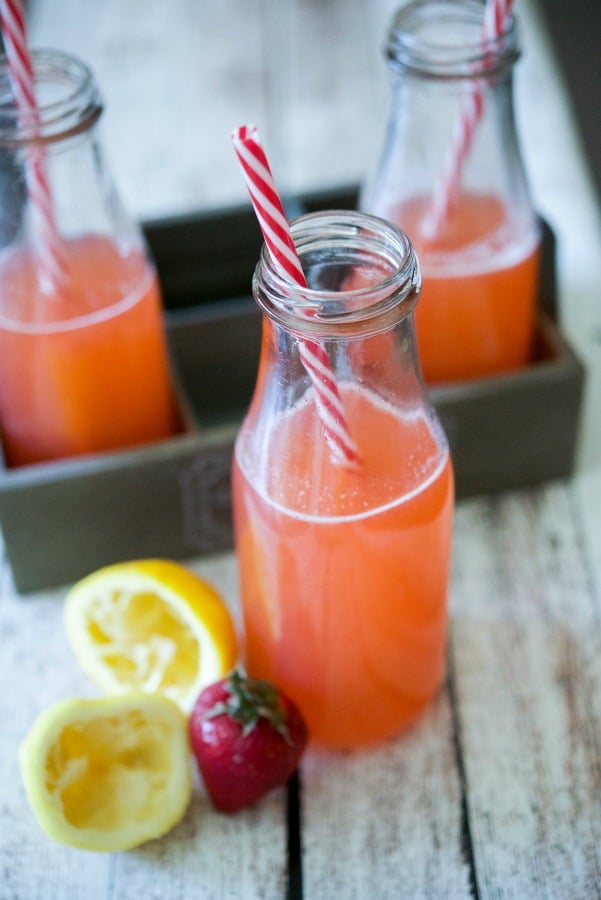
pixel 476 314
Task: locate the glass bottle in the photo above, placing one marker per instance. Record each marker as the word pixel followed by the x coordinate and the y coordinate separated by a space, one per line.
pixel 451 174
pixel 83 355
pixel 343 569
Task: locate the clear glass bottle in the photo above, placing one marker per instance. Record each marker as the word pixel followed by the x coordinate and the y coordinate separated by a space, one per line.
pixel 451 174
pixel 83 356
pixel 344 568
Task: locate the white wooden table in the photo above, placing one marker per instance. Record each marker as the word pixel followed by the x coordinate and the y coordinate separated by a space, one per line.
pixel 497 791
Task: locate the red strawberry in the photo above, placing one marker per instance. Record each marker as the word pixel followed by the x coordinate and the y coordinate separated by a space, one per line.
pixel 247 738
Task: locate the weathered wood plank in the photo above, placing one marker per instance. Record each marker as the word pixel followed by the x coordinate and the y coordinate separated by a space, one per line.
pixel 323 69
pixel 387 823
pixel 178 77
pixel 37 670
pixel 526 643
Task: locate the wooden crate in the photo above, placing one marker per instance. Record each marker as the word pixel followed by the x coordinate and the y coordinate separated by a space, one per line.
pixel 63 519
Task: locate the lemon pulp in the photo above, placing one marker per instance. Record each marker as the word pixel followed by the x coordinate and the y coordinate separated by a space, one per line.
pixel 151 625
pixel 108 774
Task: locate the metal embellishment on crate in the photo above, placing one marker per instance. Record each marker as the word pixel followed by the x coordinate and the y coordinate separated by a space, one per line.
pixel 206 501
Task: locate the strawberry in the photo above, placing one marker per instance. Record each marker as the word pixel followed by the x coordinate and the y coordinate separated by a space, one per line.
pixel 247 738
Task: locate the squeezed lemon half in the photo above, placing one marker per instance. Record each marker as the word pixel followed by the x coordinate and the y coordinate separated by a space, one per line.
pixel 108 774
pixel 152 626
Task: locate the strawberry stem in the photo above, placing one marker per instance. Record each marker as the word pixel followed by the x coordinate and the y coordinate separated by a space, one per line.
pixel 250 700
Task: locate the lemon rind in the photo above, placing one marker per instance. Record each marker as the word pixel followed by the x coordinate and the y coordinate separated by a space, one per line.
pixel 202 609
pixel 46 807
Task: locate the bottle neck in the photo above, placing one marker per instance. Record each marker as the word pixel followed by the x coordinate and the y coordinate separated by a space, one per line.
pixel 435 39
pixel 362 275
pixel 67 101
pixel 451 152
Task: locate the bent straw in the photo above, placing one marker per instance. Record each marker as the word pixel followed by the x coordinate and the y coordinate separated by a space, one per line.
pixel 48 245
pixel 472 107
pixel 278 238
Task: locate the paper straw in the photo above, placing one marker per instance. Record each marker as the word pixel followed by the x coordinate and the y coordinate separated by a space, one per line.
pixel 472 107
pixel 278 238
pixel 48 245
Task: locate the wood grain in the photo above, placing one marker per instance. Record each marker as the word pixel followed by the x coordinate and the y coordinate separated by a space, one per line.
pixel 387 823
pixel 526 647
pixel 179 76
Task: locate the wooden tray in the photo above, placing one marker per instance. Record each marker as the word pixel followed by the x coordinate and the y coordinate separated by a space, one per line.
pixel 63 519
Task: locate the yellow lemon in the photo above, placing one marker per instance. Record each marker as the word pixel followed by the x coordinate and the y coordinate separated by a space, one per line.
pixel 108 774
pixel 153 626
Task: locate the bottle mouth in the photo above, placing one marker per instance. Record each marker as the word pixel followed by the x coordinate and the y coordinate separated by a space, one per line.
pixel 68 101
pixel 438 39
pixel 362 275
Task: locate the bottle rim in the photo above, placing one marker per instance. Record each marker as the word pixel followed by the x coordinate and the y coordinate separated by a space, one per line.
pixel 442 40
pixel 68 101
pixel 334 244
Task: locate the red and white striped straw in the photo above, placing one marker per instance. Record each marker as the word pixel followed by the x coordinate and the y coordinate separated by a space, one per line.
pixel 278 238
pixel 472 107
pixel 49 248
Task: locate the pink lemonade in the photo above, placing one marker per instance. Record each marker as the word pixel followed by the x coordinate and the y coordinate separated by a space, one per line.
pixel 86 370
pixel 476 315
pixel 344 573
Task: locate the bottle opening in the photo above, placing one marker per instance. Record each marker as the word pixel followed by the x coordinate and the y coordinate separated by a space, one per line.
pixel 362 273
pixel 68 100
pixel 438 39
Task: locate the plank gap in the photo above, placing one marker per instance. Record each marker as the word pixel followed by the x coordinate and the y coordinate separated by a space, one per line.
pixel 467 847
pixel 295 860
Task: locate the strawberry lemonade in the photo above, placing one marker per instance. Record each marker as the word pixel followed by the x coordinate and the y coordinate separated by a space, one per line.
pixel 344 563
pixel 344 571
pixel 476 315
pixel 86 369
